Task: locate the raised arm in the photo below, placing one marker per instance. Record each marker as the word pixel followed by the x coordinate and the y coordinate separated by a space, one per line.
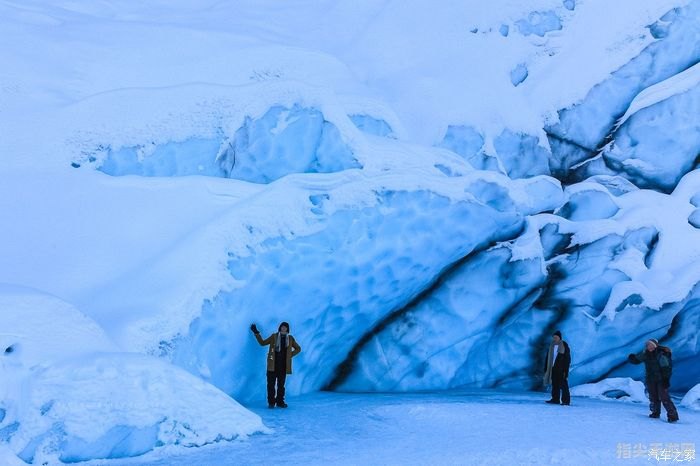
pixel 256 332
pixel 637 358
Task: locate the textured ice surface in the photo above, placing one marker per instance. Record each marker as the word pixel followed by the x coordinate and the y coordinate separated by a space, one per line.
pixel 468 143
pixel 488 322
pixel 333 285
pixel 282 141
pixel 521 155
pixel 398 264
pixel 660 142
pixel 582 128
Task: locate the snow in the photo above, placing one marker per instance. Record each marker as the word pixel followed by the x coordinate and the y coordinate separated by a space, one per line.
pixel 68 394
pixel 380 176
pixel 449 428
pixel 691 399
pixel 616 388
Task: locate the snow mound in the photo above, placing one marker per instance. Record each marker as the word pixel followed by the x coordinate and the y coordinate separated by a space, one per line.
pixel 38 328
pixel 118 405
pixel 69 396
pixel 616 388
pixel 692 398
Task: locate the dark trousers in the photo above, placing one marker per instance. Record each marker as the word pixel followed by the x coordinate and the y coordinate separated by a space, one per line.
pixel 658 395
pixel 279 377
pixel 560 384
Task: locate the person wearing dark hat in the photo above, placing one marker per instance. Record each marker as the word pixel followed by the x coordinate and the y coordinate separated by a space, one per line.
pixel 658 366
pixel 556 370
pixel 282 348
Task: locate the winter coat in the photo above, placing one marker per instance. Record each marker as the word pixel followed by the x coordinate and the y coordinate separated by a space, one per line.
pixel 658 364
pixel 561 363
pixel 292 350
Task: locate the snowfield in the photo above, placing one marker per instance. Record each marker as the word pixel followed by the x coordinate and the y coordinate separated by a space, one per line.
pixel 456 427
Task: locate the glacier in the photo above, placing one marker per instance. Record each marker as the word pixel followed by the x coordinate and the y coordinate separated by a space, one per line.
pixel 280 142
pixel 172 173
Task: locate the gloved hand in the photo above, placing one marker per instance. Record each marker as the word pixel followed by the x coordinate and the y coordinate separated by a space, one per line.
pixel 632 358
pixel 666 383
pixel 254 329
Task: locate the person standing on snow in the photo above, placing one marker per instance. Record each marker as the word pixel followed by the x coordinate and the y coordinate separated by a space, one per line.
pixel 556 370
pixel 283 347
pixel 658 367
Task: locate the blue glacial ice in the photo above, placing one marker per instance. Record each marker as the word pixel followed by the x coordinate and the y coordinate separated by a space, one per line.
pixel 280 142
pixel 487 322
pixel 467 142
pixel 284 141
pixel 362 266
pixel 371 125
pixel 656 145
pixel 521 155
pixel 539 23
pixel 584 128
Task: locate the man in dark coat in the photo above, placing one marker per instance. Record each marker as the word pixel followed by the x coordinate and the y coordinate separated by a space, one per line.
pixel 282 348
pixel 658 367
pixel 556 370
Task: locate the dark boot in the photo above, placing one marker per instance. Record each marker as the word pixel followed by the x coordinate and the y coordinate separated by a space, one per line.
pixel 552 402
pixel 655 415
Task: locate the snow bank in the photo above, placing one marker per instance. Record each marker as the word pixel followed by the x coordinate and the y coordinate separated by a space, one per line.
pixel 69 395
pixel 616 388
pixel 692 398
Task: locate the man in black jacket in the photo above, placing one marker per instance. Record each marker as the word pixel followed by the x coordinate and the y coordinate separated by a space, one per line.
pixel 556 370
pixel 658 367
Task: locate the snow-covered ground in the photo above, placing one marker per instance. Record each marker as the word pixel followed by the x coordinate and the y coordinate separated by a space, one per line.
pixel 457 427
